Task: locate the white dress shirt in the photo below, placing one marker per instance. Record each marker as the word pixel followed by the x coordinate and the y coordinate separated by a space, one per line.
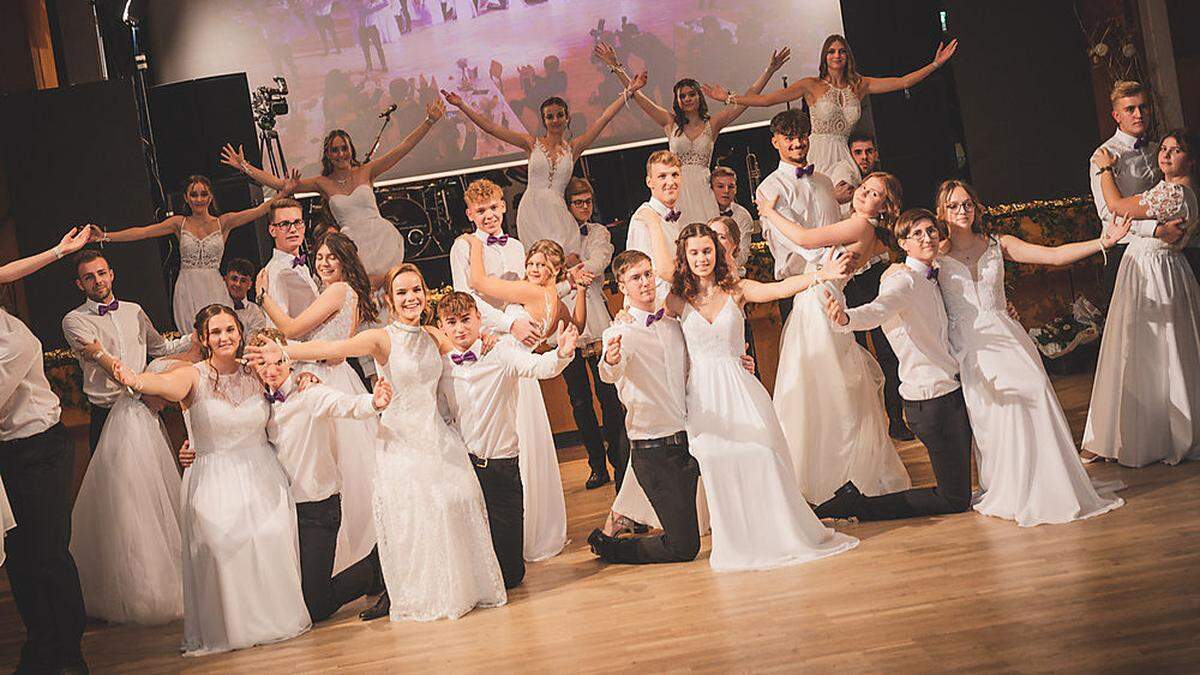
pixel 27 405
pixel 637 237
pixel 505 261
pixel 479 398
pixel 808 202
pixel 746 228
pixel 301 430
pixel 291 287
pixel 651 377
pixel 845 172
pixel 252 317
pixel 1135 172
pixel 126 334
pixel 595 252
pixel 910 310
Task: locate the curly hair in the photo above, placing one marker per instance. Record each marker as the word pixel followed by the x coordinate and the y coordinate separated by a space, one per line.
pixel 553 253
pixel 680 117
pixel 353 272
pixel 686 284
pixel 481 191
pixel 326 165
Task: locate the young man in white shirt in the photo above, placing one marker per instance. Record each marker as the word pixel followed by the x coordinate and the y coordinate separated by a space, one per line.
pixel 910 310
pixel 290 282
pixel 239 277
pixel 724 186
pixel 104 329
pixel 478 396
pixel 664 171
pixel 846 176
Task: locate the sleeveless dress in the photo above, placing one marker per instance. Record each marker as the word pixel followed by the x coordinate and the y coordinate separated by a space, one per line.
pixel 199 283
pixel 696 203
pixel 380 244
pixel 1146 395
pixel 125 524
pixel 759 519
pixel 241 553
pixel 543 213
pixel 355 445
pixel 1029 470
pixel 434 542
pixel 833 117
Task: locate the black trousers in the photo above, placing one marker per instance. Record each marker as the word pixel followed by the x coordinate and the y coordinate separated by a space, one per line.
pixel 942 425
pixel 1110 270
pixel 327 31
pixel 318 524
pixel 368 36
pixel 668 474
pixel 38 472
pixel 500 480
pixel 860 290
pixel 613 445
pixel 404 19
pixel 99 415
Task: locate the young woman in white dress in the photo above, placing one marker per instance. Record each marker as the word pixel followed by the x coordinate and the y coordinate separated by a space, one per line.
pixel 691 131
pixel 759 519
pixel 345 185
pixel 1028 467
pixel 835 99
pixel 202 234
pixel 345 304
pixel 1146 396
pixel 241 557
pixel 434 543
pixel 836 433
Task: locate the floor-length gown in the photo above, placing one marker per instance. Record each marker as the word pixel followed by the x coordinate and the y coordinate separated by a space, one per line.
pixel 7 522
pixel 434 543
pixel 1029 469
pixel 833 117
pixel 355 444
pixel 241 553
pixel 1146 394
pixel 829 398
pixel 759 518
pixel 125 523
pixel 543 213
pixel 380 244
pixel 199 283
pixel 696 203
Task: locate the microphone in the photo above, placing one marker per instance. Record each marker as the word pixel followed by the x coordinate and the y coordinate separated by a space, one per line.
pixel 387 113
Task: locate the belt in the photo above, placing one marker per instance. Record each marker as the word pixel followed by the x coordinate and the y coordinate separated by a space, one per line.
pixel 678 438
pixel 482 462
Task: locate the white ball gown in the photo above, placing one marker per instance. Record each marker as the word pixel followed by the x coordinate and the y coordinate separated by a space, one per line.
pixel 241 553
pixel 434 543
pixel 543 213
pixel 696 203
pixel 125 524
pixel 1146 396
pixel 380 244
pixel 199 283
pixel 1029 470
pixel 759 519
pixel 833 117
pixel 7 521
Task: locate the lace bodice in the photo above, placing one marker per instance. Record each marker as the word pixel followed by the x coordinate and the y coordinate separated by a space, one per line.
pixel 696 152
pixel 226 413
pixel 836 112
pixel 414 368
pixel 339 325
pixel 546 176
pixel 968 300
pixel 1165 201
pixel 196 253
pixel 723 339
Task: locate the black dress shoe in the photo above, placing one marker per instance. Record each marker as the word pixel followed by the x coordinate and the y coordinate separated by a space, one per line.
pixel 596 480
pixel 844 503
pixel 377 611
pixel 599 543
pixel 900 431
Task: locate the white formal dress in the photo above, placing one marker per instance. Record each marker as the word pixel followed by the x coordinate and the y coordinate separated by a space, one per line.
pixel 380 244
pixel 696 202
pixel 434 543
pixel 833 117
pixel 125 523
pixel 355 443
pixel 1146 395
pixel 543 213
pixel 1029 470
pixel 199 283
pixel 759 518
pixel 241 553
pixel 7 522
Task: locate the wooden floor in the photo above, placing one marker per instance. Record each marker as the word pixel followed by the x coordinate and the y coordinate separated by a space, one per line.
pixel 1117 593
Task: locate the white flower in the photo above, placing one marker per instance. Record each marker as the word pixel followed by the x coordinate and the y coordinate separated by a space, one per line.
pixel 1128 50
pixel 1100 49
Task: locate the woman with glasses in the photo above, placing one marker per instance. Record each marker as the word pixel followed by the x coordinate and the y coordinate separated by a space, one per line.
pixel 1028 467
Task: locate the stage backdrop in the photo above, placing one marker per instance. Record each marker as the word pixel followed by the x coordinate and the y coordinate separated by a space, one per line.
pixel 504 57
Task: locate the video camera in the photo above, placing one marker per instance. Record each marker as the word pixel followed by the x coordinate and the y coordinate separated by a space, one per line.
pixel 269 102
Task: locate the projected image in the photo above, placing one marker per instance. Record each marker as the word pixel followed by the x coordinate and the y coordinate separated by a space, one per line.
pixel 346 61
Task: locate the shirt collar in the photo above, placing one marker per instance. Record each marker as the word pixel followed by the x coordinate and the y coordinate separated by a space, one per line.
pixel 94 307
pixel 476 346
pixel 639 317
pixel 660 208
pixel 289 385
pixel 281 256
pixel 918 266
pixel 483 236
pixel 1123 139
pixel 789 169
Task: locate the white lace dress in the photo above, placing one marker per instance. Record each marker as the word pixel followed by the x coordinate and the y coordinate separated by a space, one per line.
pixel 543 213
pixel 696 203
pixel 380 244
pixel 833 117
pixel 1029 470
pixel 241 554
pixel 434 543
pixel 1146 394
pixel 199 283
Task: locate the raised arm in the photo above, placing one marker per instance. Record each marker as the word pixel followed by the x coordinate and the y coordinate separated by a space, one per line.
pixel 229 221
pixel 1019 250
pixel 754 291
pixel 326 305
pixel 730 113
pixel 842 232
pixel 169 226
pixel 237 159
pixel 802 88
pixel 608 56
pixel 380 165
pixel 173 386
pixel 584 140
pixel 522 140
pixel 882 85
pixel 71 242
pixel 661 255
pixel 516 291
pixel 579 309
pixel 895 293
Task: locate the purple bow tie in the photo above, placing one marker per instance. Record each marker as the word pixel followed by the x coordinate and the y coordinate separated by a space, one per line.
pixel 299 260
pixel 275 397
pixel 804 171
pixel 672 216
pixel 105 309
pixel 583 230
pixel 501 240
pixel 1140 142
pixel 931 273
pixel 728 213
pixel 655 316
pixel 239 304
pixel 466 356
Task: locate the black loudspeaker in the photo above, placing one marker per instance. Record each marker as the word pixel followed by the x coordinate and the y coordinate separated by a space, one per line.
pixel 74 156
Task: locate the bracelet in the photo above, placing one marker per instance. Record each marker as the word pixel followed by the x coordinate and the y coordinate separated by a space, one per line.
pixel 431 120
pixel 617 68
pixel 731 99
pixel 1103 251
pixel 1105 169
pixel 58 254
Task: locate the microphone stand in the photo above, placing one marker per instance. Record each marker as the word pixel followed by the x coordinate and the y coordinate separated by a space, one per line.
pixel 387 117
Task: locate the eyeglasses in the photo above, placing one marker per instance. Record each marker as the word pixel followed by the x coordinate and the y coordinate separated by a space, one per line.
pixel 289 225
pixel 580 203
pixel 930 233
pixel 965 207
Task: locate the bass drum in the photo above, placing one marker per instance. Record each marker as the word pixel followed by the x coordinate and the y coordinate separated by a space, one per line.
pixel 413 222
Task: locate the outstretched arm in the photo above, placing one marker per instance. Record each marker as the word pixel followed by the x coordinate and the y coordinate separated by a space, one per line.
pixel 660 251
pixel 802 88
pixel 1019 250
pixel 373 343
pixel 326 305
pixel 516 291
pixel 237 159
pixel 169 226
pixel 754 291
pixel 229 221
pixel 607 55
pixel 173 386
pixel 584 140
pixel 882 85
pixel 522 140
pixel 433 113
pixel 71 242
pixel 842 232
pixel 730 113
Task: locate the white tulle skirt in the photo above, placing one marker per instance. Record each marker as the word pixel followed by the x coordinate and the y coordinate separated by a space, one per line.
pixel 696 203
pixel 545 506
pixel 195 289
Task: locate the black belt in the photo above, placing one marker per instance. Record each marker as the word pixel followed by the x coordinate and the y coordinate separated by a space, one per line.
pixel 679 438
pixel 482 462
